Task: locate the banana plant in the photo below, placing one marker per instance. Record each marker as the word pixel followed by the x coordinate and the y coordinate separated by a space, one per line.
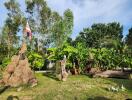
pixel 36 60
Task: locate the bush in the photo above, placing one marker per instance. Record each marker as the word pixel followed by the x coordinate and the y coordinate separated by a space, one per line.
pixel 36 60
pixel 5 62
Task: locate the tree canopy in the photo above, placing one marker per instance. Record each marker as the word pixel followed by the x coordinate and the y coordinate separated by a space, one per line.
pixel 51 40
pixel 97 35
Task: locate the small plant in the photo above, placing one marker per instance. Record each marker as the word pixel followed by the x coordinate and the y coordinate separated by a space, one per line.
pixel 5 62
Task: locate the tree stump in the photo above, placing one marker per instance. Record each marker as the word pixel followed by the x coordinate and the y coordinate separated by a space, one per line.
pixel 61 71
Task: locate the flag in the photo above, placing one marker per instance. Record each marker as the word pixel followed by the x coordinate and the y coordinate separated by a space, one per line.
pixel 27 31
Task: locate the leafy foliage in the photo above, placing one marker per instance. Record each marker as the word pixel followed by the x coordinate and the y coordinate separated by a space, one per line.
pixel 129 38
pixel 5 62
pixel 36 60
pixel 101 42
pixel 94 36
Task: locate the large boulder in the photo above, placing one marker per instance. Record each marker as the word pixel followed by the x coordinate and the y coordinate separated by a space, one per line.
pixel 61 73
pixel 18 72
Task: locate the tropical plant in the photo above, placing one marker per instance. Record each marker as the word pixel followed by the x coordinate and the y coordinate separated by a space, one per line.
pixel 36 60
pixel 82 54
pixel 5 62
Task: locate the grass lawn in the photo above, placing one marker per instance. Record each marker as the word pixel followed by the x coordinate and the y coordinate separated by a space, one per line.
pixel 78 87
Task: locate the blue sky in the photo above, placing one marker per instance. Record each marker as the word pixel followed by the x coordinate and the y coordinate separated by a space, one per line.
pixel 87 12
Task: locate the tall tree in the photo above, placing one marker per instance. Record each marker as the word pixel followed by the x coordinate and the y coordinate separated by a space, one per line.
pixel 99 33
pixel 129 38
pixel 115 30
pixel 12 23
pixel 50 25
pixel 57 30
pixel 68 22
pixel 43 19
pixel 34 9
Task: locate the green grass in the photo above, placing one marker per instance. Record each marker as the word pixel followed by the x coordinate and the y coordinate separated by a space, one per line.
pixel 78 87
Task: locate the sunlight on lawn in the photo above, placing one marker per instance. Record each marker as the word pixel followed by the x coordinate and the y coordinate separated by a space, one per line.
pixel 79 87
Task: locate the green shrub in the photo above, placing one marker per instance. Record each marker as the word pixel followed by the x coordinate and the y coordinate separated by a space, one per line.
pixel 5 62
pixel 36 60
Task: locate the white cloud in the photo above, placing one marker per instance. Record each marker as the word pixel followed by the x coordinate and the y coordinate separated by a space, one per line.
pixel 87 12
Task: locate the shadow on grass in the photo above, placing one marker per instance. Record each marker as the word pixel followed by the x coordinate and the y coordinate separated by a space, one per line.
pixel 51 75
pixel 12 97
pixel 88 75
pixel 98 98
pixel 127 83
pixel 3 89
